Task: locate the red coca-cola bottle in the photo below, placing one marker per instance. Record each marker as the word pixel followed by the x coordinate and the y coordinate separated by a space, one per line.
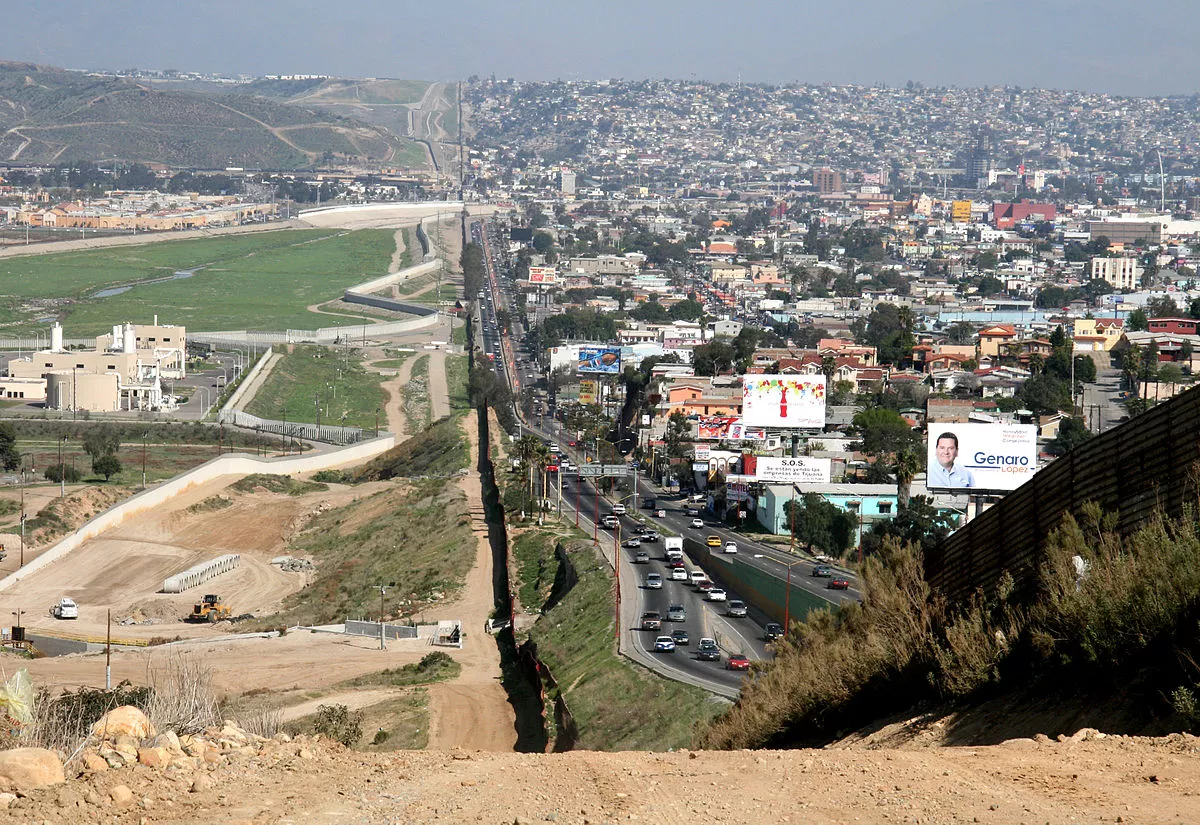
pixel 782 400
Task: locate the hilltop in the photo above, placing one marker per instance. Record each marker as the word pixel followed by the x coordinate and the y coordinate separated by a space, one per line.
pixel 51 115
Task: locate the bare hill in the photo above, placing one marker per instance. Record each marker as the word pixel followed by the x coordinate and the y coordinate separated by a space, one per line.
pixel 49 115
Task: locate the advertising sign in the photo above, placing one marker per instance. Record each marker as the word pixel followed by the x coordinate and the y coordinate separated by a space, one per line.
pixel 542 275
pixel 714 426
pixel 604 360
pixel 589 391
pixel 799 470
pixel 783 400
pixel 740 432
pixel 701 453
pixel 980 456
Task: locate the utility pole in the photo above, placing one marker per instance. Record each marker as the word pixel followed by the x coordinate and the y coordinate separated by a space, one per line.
pixel 382 590
pixel 108 654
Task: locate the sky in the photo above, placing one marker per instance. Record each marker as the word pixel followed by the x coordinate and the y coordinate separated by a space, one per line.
pixel 1128 47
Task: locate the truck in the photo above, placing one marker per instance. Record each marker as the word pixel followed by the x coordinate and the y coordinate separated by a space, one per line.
pixel 674 546
pixel 65 609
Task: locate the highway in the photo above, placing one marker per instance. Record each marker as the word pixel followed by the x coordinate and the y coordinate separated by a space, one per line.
pixel 703 618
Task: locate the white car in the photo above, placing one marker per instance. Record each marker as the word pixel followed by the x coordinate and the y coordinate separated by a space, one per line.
pixel 716 595
pixel 698 523
pixel 678 574
pixel 731 547
pixel 697 576
pixel 654 581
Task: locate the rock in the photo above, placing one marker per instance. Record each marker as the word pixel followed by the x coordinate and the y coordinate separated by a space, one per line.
pixel 282 737
pixel 23 769
pixel 154 757
pixel 305 753
pixel 169 741
pixel 120 795
pixel 123 721
pixel 92 798
pixel 7 799
pixel 201 784
pixel 185 763
pixel 1084 734
pixel 94 762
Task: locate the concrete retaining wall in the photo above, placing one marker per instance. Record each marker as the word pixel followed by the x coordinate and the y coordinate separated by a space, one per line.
pixel 397 277
pixel 754 586
pixel 248 380
pixel 231 464
pixel 356 627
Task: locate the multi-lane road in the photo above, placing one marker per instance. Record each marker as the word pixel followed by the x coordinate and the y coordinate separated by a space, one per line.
pixel 580 502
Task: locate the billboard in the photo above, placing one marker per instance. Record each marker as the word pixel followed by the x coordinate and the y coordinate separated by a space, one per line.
pixel 980 456
pixel 783 401
pixel 589 391
pixel 604 360
pixel 714 426
pixel 799 470
pixel 740 432
pixel 542 275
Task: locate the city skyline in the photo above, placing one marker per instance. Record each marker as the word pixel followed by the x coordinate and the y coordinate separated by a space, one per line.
pixel 1099 47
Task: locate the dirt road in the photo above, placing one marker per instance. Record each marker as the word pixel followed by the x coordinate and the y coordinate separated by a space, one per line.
pixel 473 710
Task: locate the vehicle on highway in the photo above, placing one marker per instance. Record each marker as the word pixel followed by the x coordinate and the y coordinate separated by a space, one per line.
pixel 679 574
pixel 650 536
pixel 707 650
pixel 838 584
pixel 660 513
pixel 715 595
pixel 772 631
pixel 609 521
pixel 651 620
pixel 664 644
pixel 654 581
pixel 641 557
pixel 698 523
pixel 691 511
pixel 650 503
pixel 705 586
pixel 618 509
pixel 731 547
pixel 674 547
pixel 697 576
pixel 674 564
pixel 633 542
pixel 713 541
pixel 736 609
pixel 676 613
pixel 737 661
pixel 822 571
pixel 680 637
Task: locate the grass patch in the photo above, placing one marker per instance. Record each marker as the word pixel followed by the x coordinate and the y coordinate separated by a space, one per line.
pixel 276 484
pixel 259 281
pixel 458 334
pixel 416 395
pixel 389 363
pixel 418 537
pixel 440 450
pixel 433 667
pixel 411 285
pixel 537 568
pixel 456 382
pixel 347 390
pixel 400 724
pixel 616 705
pixel 210 504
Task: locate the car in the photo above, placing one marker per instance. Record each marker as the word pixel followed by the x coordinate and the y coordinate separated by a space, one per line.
pixel 651 536
pixel 705 586
pixel 707 650
pixel 618 509
pixel 698 523
pixel 554 448
pixel 838 584
pixel 697 576
pixel 713 541
pixel 678 574
pixel 632 542
pixel 715 595
pixel 609 521
pixel 674 564
pixel 737 661
pixel 676 613
pixel 822 571
pixel 651 620
pixel 664 644
pixel 680 637
pixel 736 609
pixel 641 557
pixel 660 513
pixel 772 631
pixel 692 511
pixel 731 547
pixel 654 581
pixel 571 444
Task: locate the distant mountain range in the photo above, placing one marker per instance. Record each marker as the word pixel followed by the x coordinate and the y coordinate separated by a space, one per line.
pixel 50 115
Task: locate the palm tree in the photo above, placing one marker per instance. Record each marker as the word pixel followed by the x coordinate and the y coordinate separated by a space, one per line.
pixel 527 450
pixel 908 464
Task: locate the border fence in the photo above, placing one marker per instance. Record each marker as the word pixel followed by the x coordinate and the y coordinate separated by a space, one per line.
pixel 1145 464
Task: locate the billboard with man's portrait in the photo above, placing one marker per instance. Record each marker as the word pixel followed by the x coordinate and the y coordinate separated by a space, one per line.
pixel 980 456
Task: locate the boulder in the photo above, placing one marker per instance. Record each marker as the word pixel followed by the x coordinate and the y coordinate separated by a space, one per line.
pixel 94 762
pixel 23 769
pixel 123 721
pixel 121 795
pixel 154 757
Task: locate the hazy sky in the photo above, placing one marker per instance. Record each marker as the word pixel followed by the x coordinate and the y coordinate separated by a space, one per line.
pixel 1119 46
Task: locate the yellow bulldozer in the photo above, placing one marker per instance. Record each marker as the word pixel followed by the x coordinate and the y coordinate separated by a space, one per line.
pixel 210 609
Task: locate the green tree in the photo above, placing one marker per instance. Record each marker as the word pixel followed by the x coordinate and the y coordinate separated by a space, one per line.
pixel 1071 433
pixel 1162 306
pixel 100 441
pixel 687 310
pixel 884 431
pixel 1137 321
pixel 908 463
pixel 678 429
pixel 9 457
pixel 713 358
pixel 107 466
pixel 1045 394
pixel 920 524
pixel 62 472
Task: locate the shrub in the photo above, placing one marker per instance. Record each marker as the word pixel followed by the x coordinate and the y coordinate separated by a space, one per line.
pixel 339 723
pixel 62 472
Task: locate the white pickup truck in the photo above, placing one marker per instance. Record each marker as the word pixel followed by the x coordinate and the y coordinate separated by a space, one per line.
pixel 65 609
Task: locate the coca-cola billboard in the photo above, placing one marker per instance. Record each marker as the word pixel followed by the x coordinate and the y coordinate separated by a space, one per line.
pixel 781 401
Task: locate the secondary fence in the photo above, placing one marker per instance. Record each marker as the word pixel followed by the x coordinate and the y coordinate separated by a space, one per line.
pixel 1132 470
pixel 292 429
pixel 198 574
pixel 357 627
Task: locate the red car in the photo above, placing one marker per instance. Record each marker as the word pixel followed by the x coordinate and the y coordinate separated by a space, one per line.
pixel 570 443
pixel 838 584
pixel 737 662
pixel 705 586
pixel 674 563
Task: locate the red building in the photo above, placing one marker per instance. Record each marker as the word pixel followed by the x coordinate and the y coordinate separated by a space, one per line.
pixel 1178 326
pixel 1008 215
